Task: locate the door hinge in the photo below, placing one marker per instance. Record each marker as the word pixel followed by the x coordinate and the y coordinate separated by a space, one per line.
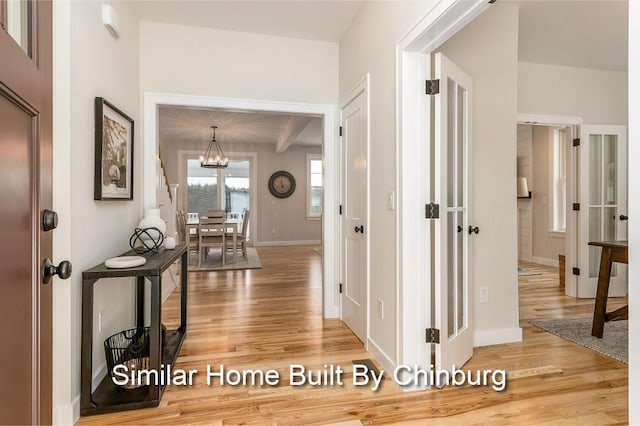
pixel 433 87
pixel 432 335
pixel 576 142
pixel 576 207
pixel 340 130
pixel 340 210
pixel 576 271
pixel 432 211
pixel 340 288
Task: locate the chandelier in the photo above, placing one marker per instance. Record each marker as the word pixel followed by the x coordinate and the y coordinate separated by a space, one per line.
pixel 214 157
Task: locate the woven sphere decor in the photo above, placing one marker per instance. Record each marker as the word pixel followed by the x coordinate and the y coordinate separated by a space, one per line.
pixel 145 240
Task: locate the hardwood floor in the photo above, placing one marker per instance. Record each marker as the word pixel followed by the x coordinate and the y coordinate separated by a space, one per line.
pixel 272 317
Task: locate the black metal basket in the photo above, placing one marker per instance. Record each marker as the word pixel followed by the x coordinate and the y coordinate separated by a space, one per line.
pixel 129 348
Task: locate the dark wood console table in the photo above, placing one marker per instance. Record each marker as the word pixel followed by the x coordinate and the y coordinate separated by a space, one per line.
pixel 108 397
pixel 612 251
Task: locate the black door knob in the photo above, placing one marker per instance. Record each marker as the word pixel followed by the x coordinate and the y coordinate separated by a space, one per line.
pixel 623 217
pixel 473 230
pixel 359 229
pixel 459 228
pixel 49 220
pixel 63 270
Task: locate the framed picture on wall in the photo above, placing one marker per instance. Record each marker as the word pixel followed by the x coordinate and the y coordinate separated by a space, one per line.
pixel 113 179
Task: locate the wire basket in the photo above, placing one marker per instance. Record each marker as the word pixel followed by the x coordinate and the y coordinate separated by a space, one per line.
pixel 131 349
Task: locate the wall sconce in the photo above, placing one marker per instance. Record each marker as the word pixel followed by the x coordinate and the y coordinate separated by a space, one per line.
pixel 523 188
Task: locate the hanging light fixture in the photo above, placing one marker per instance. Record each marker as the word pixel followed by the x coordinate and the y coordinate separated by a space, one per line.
pixel 214 157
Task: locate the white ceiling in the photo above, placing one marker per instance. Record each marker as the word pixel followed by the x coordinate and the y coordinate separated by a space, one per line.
pixel 586 34
pixel 324 20
pixel 579 33
pixel 183 124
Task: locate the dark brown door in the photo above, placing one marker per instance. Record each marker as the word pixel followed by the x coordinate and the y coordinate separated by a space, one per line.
pixel 25 191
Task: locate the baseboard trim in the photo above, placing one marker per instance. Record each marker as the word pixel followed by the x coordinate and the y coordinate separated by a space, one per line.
pixel 385 360
pixel 545 261
pixel 497 336
pixel 286 243
pixel 100 373
pixel 63 414
pixel 75 406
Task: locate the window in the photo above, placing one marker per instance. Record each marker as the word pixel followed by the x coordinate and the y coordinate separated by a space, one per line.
pixel 558 181
pixel 204 193
pixel 315 186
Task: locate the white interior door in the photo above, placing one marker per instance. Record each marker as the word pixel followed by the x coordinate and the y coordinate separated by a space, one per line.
pixel 354 122
pixel 603 203
pixel 453 229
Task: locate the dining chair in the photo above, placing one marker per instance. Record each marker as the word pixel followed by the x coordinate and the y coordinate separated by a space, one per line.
pixel 211 233
pixel 241 238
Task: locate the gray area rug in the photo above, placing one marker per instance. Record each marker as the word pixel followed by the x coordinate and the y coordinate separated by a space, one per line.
pixel 213 262
pixel 614 342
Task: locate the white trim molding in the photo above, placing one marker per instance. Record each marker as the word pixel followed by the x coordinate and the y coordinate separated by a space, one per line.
pixel 152 102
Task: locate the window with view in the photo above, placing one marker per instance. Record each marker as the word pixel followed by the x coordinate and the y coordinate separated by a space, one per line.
pixel 315 185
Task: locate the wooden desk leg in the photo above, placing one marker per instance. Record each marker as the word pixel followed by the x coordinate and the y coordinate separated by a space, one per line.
pixel 86 352
pixel 140 302
pixel 155 339
pixel 183 292
pixel 600 310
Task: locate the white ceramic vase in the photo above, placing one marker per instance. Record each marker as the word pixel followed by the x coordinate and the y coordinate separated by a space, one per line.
pixel 169 243
pixel 152 219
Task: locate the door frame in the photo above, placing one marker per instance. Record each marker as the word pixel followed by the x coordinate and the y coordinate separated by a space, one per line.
pixel 330 273
pixel 413 293
pixel 362 86
pixel 571 233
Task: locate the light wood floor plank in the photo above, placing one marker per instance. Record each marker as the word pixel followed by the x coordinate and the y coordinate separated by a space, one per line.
pixel 272 317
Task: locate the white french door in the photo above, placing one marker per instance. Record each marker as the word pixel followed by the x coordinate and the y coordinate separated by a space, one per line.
pixel 603 203
pixel 453 229
pixel 354 230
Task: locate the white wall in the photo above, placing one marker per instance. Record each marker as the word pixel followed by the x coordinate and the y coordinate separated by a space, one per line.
pixel 546 246
pixel 598 96
pixel 207 62
pixel 487 50
pixel 369 46
pixel 278 220
pixel 100 66
pixel 634 211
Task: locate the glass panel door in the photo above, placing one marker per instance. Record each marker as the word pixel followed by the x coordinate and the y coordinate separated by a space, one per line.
pixel 202 188
pixel 603 204
pixel 236 188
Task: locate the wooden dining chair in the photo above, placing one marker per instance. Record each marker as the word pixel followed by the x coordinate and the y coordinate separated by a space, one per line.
pixel 241 238
pixel 211 233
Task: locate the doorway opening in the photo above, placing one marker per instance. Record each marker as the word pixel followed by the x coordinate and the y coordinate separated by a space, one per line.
pixel 322 116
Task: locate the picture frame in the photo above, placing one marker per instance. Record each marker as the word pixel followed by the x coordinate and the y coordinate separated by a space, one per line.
pixel 114 137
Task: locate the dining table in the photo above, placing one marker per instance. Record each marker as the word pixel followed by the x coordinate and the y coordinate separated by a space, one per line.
pixel 612 251
pixel 230 224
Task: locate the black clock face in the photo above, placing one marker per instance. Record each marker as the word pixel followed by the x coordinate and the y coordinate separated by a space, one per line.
pixel 282 184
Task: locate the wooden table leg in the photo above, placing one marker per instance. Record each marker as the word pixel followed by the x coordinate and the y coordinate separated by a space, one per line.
pixel 600 310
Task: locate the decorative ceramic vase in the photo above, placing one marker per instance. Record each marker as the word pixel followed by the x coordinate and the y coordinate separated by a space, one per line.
pixel 152 219
pixel 169 243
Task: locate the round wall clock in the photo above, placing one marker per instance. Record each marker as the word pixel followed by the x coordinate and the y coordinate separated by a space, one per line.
pixel 282 184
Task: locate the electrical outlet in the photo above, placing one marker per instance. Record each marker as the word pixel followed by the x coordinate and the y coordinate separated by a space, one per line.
pixel 380 309
pixel 100 318
pixel 484 294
